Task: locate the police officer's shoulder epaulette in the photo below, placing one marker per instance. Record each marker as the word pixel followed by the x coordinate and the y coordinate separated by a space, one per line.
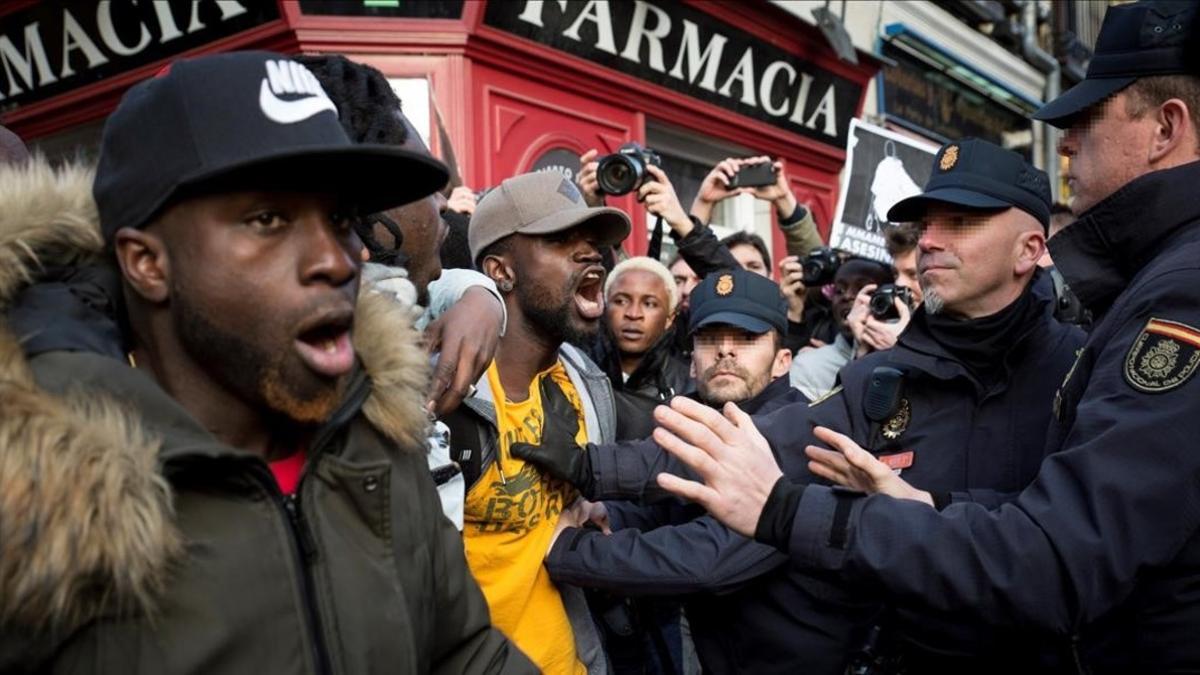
pixel 1164 356
pixel 826 396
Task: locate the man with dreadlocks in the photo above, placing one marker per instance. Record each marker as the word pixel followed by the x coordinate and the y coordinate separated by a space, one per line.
pixel 463 314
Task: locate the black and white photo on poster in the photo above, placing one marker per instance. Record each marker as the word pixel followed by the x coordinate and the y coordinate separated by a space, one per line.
pixel 883 167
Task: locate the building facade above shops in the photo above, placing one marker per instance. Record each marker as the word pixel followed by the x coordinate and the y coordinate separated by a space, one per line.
pixel 955 68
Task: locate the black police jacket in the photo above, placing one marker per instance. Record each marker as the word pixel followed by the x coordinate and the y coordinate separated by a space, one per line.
pixel 963 440
pixel 1102 548
pixel 968 442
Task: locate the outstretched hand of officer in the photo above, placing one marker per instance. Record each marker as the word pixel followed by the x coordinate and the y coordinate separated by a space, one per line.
pixel 851 466
pixel 558 453
pixel 727 452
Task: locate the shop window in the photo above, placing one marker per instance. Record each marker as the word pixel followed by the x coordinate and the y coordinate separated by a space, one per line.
pixel 414 100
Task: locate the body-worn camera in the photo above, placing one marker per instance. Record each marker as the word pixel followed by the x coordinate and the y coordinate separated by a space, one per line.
pixel 883 301
pixel 819 266
pixel 625 170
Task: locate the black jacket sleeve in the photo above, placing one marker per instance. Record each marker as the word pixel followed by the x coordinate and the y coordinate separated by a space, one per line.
pixel 627 471
pixel 1118 499
pixel 702 251
pixel 699 556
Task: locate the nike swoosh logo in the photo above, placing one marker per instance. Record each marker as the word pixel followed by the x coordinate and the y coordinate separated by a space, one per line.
pixel 289 112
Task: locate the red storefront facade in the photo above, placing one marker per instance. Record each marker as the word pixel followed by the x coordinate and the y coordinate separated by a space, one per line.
pixel 516 84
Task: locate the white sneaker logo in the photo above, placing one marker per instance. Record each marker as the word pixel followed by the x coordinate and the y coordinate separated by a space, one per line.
pixel 289 77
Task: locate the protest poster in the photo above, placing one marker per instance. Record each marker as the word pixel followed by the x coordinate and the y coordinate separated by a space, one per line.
pixel 882 167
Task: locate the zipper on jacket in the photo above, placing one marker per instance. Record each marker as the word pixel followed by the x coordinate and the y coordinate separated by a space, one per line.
pixel 305 546
pixel 304 552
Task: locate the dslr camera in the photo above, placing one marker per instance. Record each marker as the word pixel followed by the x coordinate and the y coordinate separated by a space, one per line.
pixel 883 301
pixel 625 170
pixel 819 266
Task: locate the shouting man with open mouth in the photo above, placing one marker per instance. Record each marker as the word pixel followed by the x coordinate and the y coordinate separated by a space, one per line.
pixel 540 242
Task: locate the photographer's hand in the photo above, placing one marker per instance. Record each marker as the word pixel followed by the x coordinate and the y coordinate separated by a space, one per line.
pixel 883 334
pixel 779 193
pixel 659 198
pixel 588 184
pixel 557 452
pixel 791 282
pixel 715 188
pixel 856 320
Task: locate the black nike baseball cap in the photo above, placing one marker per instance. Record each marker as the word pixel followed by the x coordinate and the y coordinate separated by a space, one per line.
pixel 976 174
pixel 242 121
pixel 1136 40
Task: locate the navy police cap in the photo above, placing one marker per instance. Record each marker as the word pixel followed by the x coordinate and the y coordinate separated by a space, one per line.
pixel 1136 40
pixel 976 174
pixel 739 298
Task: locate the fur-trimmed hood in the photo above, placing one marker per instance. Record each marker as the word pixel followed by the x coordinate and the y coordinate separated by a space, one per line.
pixel 86 517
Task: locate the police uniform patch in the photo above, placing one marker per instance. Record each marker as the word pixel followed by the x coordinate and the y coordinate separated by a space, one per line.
pixel 1164 356
pixel 898 424
pixel 949 158
pixel 725 284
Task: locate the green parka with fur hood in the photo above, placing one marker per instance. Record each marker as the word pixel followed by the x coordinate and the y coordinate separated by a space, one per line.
pixel 133 541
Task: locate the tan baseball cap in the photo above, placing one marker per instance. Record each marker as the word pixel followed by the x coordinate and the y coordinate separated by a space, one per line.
pixel 542 202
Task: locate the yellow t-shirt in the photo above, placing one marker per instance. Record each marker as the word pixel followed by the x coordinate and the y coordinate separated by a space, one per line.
pixel 509 516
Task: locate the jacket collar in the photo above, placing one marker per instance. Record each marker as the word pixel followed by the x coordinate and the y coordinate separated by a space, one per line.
pixel 1100 253
pixel 595 393
pixel 778 387
pixel 917 349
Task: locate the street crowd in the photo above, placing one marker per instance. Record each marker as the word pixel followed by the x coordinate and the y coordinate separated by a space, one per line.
pixel 278 396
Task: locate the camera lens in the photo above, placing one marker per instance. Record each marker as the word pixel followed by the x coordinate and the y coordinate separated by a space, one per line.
pixel 813 271
pixel 881 304
pixel 618 174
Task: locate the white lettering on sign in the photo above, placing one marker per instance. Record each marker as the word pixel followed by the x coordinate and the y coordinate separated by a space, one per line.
pixel 597 12
pixel 28 67
pixel 708 59
pixel 653 38
pixel 21 64
pixel 650 26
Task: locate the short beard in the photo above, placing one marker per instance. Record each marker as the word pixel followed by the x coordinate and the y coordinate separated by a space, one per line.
pixel 258 376
pixel 717 399
pixel 556 321
pixel 933 303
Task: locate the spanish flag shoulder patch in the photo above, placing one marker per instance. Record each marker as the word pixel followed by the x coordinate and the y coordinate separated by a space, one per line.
pixel 1164 356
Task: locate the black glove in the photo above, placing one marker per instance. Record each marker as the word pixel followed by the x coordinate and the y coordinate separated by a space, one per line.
pixel 558 454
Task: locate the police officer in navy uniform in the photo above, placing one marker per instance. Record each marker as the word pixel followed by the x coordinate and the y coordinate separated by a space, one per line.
pixel 968 391
pixel 1102 550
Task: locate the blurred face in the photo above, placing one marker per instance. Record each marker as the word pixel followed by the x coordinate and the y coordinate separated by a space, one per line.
pixel 685 280
pixel 906 274
pixel 423 228
pixel 559 284
pixel 261 296
pixel 638 310
pixel 849 280
pixel 750 259
pixel 1107 148
pixel 972 263
pixel 732 364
